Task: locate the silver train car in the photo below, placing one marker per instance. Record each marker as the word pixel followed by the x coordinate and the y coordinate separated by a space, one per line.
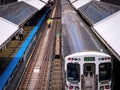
pixel 87 65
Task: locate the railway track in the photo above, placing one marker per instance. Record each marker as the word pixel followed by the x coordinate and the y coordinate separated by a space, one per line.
pixel 36 67
pixel 56 82
pixel 56 78
pixel 36 76
pixel 43 71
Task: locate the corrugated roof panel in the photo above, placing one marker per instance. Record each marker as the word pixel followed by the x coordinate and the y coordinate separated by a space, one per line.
pixel 109 30
pixel 80 3
pixel 35 3
pixel 17 12
pixel 7 30
pixel 96 11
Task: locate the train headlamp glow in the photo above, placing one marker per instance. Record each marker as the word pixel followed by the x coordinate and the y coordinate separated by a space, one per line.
pixel 107 87
pixel 70 87
pixel 106 58
pixel 74 59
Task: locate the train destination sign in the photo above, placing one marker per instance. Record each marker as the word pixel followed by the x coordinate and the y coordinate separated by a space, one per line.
pixel 89 58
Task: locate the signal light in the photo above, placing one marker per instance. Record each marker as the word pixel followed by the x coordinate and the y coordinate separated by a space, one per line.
pixel 106 58
pixel 107 87
pixel 75 58
pixel 70 58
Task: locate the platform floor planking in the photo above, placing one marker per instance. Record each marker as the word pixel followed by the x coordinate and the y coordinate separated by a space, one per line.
pixel 14 45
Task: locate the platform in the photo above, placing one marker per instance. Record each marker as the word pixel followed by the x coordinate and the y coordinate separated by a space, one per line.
pixel 12 47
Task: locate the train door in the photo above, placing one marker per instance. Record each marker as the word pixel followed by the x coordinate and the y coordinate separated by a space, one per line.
pixel 89 76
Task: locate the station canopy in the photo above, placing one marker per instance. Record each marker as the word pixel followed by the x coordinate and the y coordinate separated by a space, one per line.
pixel 96 11
pixel 6 31
pixel 78 3
pixel 109 30
pixel 18 12
pixel 35 3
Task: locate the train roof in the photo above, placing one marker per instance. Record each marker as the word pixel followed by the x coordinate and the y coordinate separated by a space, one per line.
pixel 77 36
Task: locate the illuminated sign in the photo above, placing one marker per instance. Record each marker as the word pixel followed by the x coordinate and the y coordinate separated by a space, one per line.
pixel 89 58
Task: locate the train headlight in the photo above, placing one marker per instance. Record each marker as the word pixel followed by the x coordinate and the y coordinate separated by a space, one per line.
pixel 70 87
pixel 107 87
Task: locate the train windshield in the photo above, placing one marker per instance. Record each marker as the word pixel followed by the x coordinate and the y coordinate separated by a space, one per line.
pixel 73 72
pixel 104 71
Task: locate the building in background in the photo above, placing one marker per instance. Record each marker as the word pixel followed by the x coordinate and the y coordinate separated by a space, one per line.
pixel 116 2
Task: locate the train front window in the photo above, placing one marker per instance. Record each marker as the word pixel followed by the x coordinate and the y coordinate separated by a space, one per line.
pixel 73 72
pixel 104 71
